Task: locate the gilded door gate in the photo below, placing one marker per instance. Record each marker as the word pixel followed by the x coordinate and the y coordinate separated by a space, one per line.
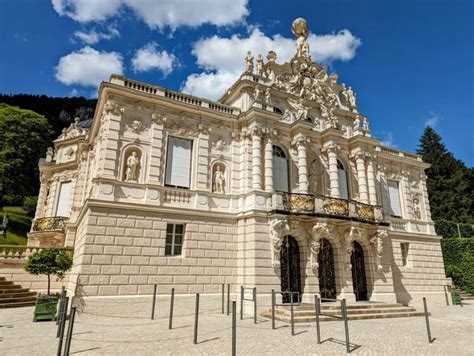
pixel 326 272
pixel 290 269
pixel 359 280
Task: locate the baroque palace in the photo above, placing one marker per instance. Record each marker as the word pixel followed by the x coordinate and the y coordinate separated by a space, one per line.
pixel 278 185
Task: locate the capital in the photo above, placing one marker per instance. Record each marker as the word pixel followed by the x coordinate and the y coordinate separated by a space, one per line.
pixel 256 130
pixel 331 148
pixel 158 119
pixel 300 140
pixel 203 129
pixel 114 109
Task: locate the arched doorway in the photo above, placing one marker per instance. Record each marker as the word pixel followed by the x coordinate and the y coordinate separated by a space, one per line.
pixel 290 269
pixel 326 272
pixel 359 280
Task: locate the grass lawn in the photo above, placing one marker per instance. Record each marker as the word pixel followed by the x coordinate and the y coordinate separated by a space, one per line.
pixel 19 224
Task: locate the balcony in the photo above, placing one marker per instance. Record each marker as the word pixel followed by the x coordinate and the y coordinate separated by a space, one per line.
pixel 318 205
pixel 50 224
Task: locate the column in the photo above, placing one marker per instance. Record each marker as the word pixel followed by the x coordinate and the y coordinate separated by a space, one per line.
pixel 300 142
pixel 371 182
pixel 362 177
pixel 269 163
pixel 332 151
pixel 256 158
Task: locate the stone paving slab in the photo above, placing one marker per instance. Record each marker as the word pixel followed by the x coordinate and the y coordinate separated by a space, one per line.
pixel 124 327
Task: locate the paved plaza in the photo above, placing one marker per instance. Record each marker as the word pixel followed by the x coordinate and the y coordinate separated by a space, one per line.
pixel 123 326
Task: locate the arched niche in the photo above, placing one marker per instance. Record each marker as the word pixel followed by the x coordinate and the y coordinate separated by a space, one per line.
pixel 132 164
pixel 219 178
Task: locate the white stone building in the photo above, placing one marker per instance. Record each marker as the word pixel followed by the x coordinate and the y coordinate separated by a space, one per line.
pixel 277 185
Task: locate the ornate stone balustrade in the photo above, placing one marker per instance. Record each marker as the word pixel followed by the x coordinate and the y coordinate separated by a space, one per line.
pixel 49 224
pixel 12 253
pixel 393 152
pixel 326 206
pixel 172 95
pixel 410 225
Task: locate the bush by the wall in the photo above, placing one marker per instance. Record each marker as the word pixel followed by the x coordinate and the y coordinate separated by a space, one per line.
pixel 449 229
pixel 29 205
pixel 458 255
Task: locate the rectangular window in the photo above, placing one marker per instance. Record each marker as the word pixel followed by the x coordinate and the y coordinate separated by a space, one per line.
pixel 62 208
pixel 178 162
pixel 174 239
pixel 404 248
pixel 394 197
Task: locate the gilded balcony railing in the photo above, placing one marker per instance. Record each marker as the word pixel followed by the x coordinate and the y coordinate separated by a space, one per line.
pixel 298 203
pixel 327 206
pixel 50 224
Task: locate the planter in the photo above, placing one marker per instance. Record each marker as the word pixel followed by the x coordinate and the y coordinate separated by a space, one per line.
pixel 455 297
pixel 46 306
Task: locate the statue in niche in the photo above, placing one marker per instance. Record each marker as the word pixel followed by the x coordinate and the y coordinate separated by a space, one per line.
pixel 416 207
pixel 219 181
pixel 259 66
pixel 249 62
pixel 133 166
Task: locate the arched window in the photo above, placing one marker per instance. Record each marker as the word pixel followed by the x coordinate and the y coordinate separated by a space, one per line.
pixel 280 170
pixel 343 181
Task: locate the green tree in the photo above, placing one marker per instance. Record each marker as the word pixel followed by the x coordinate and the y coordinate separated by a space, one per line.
pixel 24 138
pixel 450 183
pixel 51 261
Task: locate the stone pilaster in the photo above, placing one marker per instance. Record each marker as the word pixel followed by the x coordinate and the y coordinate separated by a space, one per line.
pixel 406 201
pixel 424 195
pixel 383 188
pixel 156 151
pixel 42 195
pixel 300 142
pixel 361 177
pixel 269 162
pixel 331 150
pixel 203 168
pixel 371 181
pixel 256 158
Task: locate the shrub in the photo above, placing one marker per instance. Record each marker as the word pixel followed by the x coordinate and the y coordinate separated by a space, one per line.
pixel 458 255
pixel 50 261
pixel 449 229
pixel 29 205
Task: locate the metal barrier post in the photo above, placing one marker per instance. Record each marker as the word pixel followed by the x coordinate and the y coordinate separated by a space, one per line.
pixel 228 298
pixel 62 325
pixel 196 319
pixel 446 294
pixel 273 309
pixel 171 309
pixel 72 317
pixel 223 298
pixel 317 310
pixel 153 305
pixel 460 300
pixel 427 321
pixel 255 305
pixel 234 329
pixel 346 326
pixel 61 299
pixel 292 316
pixel 241 302
pixel 60 316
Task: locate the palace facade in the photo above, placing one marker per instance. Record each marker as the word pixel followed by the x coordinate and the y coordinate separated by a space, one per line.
pixel 277 185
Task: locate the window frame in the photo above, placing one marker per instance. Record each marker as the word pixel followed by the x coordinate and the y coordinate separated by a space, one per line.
pixel 339 163
pixel 391 211
pixel 288 175
pixel 167 163
pixel 173 243
pixel 58 199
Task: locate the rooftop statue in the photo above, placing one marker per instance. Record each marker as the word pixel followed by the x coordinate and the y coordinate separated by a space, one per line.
pixel 300 30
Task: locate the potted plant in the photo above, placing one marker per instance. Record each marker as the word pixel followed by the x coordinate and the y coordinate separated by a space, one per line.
pixel 51 262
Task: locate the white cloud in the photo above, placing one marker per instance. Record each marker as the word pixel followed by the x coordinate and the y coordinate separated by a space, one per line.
pixel 222 58
pixel 388 140
pixel 433 119
pixel 149 58
pixel 158 13
pixel 93 36
pixel 88 67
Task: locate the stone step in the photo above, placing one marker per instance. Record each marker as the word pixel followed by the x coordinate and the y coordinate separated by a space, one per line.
pixel 350 312
pixel 10 286
pixel 18 299
pixel 13 290
pixel 306 319
pixel 17 304
pixel 337 306
pixel 26 293
pixel 5 283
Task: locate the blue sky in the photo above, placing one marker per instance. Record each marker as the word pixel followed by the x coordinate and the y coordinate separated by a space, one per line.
pixel 411 62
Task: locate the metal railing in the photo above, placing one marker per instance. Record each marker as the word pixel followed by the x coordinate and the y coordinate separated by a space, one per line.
pixel 50 224
pixel 343 317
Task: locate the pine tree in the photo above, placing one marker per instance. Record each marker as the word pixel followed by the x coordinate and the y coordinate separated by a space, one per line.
pixel 450 183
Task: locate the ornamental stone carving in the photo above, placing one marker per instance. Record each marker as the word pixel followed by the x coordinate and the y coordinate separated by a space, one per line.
pixel 218 184
pixel 351 234
pixel 136 127
pixel 72 131
pixel 114 109
pixel 259 65
pixel 319 231
pixel 133 167
pixel 377 240
pixel 278 229
pixel 158 119
pixel 249 63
